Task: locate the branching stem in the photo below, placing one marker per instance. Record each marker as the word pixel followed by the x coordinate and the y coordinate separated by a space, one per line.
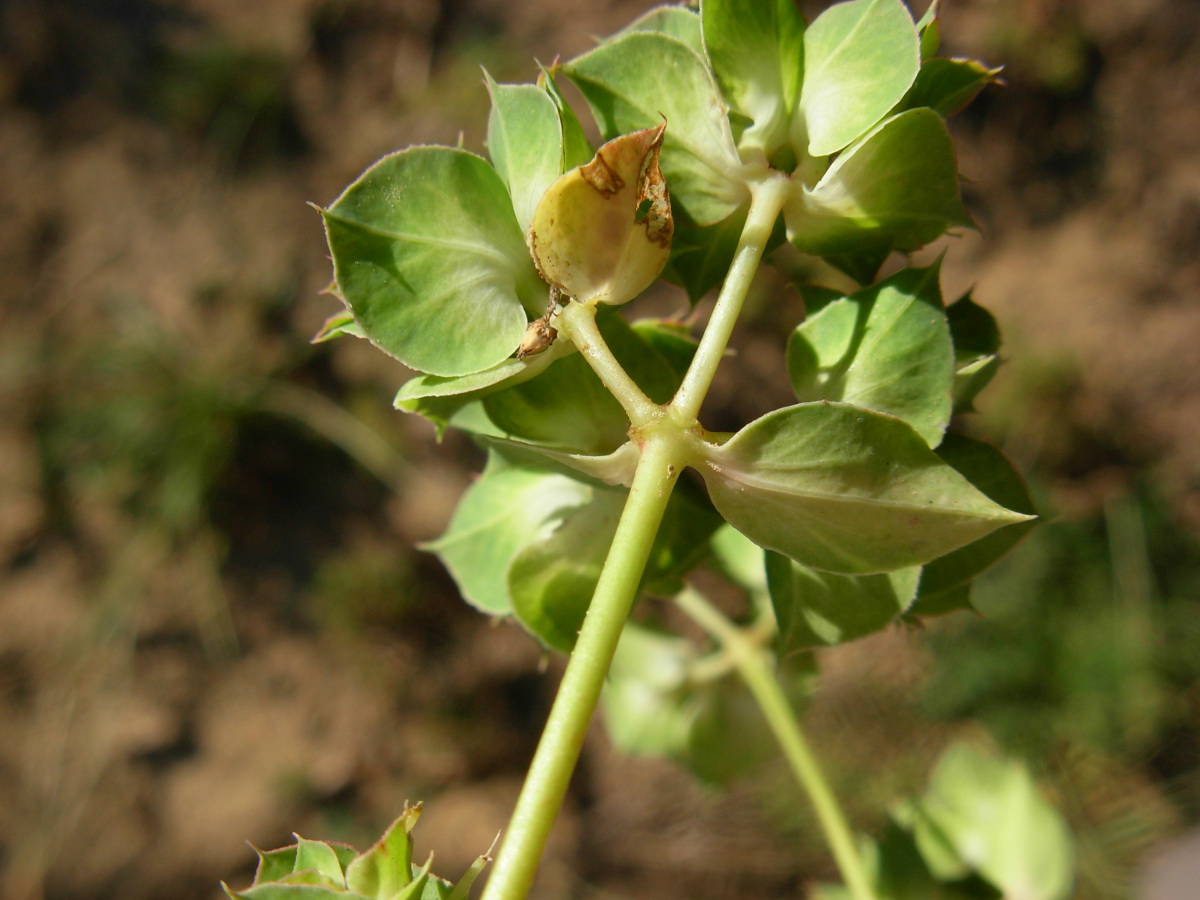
pixel 667 445
pixel 755 665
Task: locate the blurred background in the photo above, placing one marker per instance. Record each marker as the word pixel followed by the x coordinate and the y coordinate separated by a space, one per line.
pixel 215 625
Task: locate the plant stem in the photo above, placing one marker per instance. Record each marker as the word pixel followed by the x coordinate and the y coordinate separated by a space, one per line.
pixel 558 750
pixel 767 198
pixel 754 664
pixel 577 323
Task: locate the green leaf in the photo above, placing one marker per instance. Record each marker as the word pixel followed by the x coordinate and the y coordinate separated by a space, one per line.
pixel 972 377
pixel 274 864
pixel 644 695
pixel 941 604
pixel 897 189
pixel 845 489
pixel 861 265
pixel 338 325
pixel 275 891
pixel 948 85
pixel 551 581
pixel 386 868
pixel 673 342
pixel 740 559
pixel 441 399
pixel 654 707
pixel 976 348
pixel 756 48
pixel 462 889
pixel 989 470
pixel 820 609
pixel 993 816
pixel 320 857
pixel 886 347
pixel 677 22
pixel 701 256
pixel 428 255
pixel 566 407
pixel 635 81
pixel 503 512
pixel 576 149
pixel 929 28
pixel 525 141
pixel 859 59
pixel 614 469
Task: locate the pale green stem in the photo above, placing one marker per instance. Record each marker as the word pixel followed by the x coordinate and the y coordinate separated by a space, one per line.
pixel 767 198
pixel 558 750
pixel 755 665
pixel 577 323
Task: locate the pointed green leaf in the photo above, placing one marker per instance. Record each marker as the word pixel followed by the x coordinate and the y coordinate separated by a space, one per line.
pixel 677 22
pixel 991 813
pixel 948 85
pixel 386 868
pixel 274 864
pixel 428 255
pixel 503 512
pixel 440 400
pixel 419 887
pixel 462 889
pixel 613 469
pixel 976 348
pixel 972 377
pixel 859 59
pixel 845 489
pixel 756 48
pixel 337 325
pixel 820 609
pixel 635 81
pixel 320 857
pixel 897 189
pixel 861 265
pixel 929 27
pixel 886 347
pixel 990 471
pixel 576 149
pixel 525 141
pixel 941 604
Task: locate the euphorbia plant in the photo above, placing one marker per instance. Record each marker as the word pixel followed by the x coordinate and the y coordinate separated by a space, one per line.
pixel 729 130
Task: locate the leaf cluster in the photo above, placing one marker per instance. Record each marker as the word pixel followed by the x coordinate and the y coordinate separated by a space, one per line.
pixel 859 507
pixel 323 870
